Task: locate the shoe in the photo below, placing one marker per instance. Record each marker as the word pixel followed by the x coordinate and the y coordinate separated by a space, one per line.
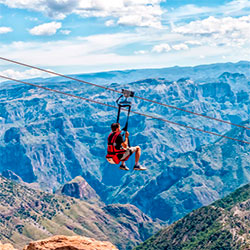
pixel 139 167
pixel 124 167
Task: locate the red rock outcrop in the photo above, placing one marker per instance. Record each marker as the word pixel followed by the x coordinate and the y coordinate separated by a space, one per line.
pixel 61 242
pixel 6 247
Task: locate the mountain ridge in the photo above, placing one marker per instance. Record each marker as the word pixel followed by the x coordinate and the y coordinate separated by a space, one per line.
pixel 221 225
pixel 197 72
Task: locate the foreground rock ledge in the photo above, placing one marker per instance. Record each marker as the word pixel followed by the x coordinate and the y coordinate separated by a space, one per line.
pixel 61 242
pixel 6 247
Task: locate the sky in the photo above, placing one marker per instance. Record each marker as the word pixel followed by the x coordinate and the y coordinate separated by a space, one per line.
pixel 83 36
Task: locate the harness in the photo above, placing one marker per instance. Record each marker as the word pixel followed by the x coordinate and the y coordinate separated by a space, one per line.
pixel 112 155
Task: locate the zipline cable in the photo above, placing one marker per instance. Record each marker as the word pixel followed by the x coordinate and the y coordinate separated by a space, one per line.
pixel 108 105
pixel 110 89
pixel 58 74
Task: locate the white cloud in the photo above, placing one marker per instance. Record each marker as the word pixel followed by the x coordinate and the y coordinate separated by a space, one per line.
pixel 181 46
pixel 187 11
pixel 4 30
pixel 54 8
pixel 65 32
pixel 165 47
pixel 218 31
pixel 161 48
pixel 33 19
pixel 110 23
pixel 87 51
pixel 27 74
pixel 46 29
pixel 96 53
pixel 140 21
pixel 193 42
pixel 143 12
pixel 236 7
pixel 233 8
pixel 37 5
pixel 141 52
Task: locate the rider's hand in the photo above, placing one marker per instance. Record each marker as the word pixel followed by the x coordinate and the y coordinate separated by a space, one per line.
pixel 126 134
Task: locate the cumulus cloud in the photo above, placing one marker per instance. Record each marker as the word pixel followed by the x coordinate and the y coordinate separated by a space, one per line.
pixel 144 13
pixel 161 48
pixel 110 23
pixel 218 31
pixel 46 29
pixel 213 25
pixel 140 21
pixel 38 5
pixel 125 12
pixel 4 30
pixel 54 8
pixel 165 47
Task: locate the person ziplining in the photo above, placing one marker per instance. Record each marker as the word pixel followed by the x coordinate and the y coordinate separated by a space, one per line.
pixel 119 150
pixel 111 156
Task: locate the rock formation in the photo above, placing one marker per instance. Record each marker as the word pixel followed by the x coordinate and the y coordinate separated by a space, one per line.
pixel 79 188
pixel 6 247
pixel 70 243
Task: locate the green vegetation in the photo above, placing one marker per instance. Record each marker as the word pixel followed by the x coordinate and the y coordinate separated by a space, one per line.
pixel 240 195
pixel 209 227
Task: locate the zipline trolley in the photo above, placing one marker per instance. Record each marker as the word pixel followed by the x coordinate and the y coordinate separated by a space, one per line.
pixel 122 103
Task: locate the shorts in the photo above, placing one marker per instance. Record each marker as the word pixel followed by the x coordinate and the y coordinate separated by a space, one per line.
pixel 129 151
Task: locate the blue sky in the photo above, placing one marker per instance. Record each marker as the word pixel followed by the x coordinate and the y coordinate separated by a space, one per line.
pixel 81 36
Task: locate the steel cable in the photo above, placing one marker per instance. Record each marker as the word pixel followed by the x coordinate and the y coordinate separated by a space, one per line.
pixel 110 89
pixel 108 105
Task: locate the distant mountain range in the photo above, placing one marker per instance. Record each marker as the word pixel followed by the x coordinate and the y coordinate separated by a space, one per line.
pixel 223 225
pixel 197 73
pixel 47 139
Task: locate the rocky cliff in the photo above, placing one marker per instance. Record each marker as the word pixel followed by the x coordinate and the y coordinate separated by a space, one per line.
pixel 79 188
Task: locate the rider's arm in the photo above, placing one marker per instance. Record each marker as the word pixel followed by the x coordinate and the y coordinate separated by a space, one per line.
pixel 125 143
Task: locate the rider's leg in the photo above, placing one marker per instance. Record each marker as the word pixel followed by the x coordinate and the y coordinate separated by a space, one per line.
pixel 137 155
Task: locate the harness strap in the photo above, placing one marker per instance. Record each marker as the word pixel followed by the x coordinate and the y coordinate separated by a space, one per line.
pixel 114 137
pixel 111 146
